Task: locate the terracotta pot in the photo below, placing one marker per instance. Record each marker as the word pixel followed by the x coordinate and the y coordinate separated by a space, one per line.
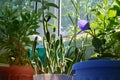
pixel 4 72
pixel 16 73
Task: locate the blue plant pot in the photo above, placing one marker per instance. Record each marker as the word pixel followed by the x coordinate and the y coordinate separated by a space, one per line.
pixel 97 70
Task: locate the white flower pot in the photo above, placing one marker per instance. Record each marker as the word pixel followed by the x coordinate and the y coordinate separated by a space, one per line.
pixel 52 77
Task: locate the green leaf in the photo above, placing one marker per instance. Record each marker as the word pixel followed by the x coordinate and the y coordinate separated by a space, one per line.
pixel 112 13
pixel 48 36
pixel 100 16
pixel 34 27
pixel 74 4
pixel 117 8
pixel 57 44
pixel 52 25
pixel 49 17
pixel 51 5
pixel 97 43
pixel 50 14
pixel 99 5
pixel 70 17
pixel 105 2
pixel 26 40
pixel 116 35
pixel 93 9
pixel 94 25
pixel 118 2
pixel 36 0
pixel 76 52
pixel 40 11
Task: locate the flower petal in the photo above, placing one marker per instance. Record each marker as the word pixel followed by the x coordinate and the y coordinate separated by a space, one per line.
pixel 83 25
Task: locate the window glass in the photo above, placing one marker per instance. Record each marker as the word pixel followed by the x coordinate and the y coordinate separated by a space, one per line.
pixel 21 4
pixel 67 8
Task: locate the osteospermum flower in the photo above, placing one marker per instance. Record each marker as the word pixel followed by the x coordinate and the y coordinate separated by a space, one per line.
pixel 83 25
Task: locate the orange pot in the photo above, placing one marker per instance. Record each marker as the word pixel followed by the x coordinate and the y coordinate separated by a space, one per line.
pixel 16 73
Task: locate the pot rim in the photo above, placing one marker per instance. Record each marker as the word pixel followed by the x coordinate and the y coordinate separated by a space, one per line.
pixel 96 64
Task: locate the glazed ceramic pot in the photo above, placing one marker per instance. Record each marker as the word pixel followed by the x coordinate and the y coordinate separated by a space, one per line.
pixel 97 70
pixel 52 77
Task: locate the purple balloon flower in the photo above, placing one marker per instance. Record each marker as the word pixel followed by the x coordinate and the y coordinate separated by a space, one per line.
pixel 83 25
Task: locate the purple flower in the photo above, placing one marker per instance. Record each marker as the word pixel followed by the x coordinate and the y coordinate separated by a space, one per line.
pixel 83 25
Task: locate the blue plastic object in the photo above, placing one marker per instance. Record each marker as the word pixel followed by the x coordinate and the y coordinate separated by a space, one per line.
pixel 41 53
pixel 97 70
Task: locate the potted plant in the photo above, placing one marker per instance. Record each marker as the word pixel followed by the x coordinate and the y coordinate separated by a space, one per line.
pixel 104 63
pixel 56 63
pixel 51 65
pixel 51 62
pixel 15 29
